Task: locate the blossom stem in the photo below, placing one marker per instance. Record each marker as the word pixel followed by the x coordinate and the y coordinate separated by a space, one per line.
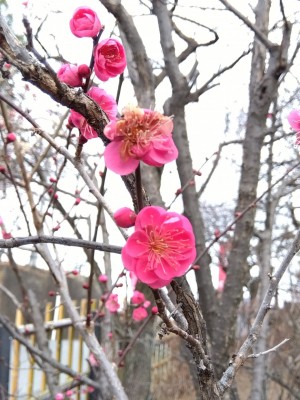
pixel 92 62
pixel 139 190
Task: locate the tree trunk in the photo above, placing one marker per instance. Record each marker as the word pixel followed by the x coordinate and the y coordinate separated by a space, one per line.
pixel 262 90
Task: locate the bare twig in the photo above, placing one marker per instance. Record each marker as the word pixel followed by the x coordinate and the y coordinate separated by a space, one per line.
pixel 55 364
pixel 21 241
pixel 228 376
pixel 263 353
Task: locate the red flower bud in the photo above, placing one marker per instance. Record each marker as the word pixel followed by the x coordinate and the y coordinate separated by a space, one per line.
pixel 84 71
pixel 154 310
pixel 11 137
pixel 77 201
pixel 125 217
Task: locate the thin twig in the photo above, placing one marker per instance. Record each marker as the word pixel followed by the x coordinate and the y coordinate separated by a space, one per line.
pixel 263 353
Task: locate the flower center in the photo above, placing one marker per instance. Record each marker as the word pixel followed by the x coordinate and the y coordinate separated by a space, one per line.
pixel 157 244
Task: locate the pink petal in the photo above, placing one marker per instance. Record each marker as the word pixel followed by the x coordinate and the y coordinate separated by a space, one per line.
pixel 294 119
pixel 159 283
pixel 159 157
pixel 151 215
pixel 129 262
pixel 137 244
pixel 114 162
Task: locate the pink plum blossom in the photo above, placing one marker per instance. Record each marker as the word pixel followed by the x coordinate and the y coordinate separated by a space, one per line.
pixel 125 217
pixel 59 396
pixel 68 73
pixel 140 135
pixel 139 314
pixel 161 248
pixel 137 297
pixel 85 23
pixel 112 303
pixel 110 59
pixel 105 101
pixel 294 119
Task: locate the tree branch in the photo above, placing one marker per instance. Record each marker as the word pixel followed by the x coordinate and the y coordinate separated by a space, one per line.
pixel 228 376
pixel 87 244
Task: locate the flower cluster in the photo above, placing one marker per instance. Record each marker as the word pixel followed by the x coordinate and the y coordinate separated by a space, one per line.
pixel 108 61
pixel 161 248
pixel 109 54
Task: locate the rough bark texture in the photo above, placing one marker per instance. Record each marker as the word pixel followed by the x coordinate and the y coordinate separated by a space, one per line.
pixel 175 106
pixel 263 88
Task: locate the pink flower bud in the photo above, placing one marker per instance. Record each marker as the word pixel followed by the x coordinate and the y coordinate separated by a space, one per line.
pixel 84 71
pixel 178 192
pixel 110 59
pixel 6 235
pixel 137 297
pixel 103 278
pixel 85 23
pixel 77 201
pixel 125 217
pixel 217 233
pixel 85 286
pixel 2 169
pixel 11 137
pixel 56 228
pixel 154 310
pixel 69 392
pixel 52 180
pixel 75 272
pixel 59 396
pixel 51 293
pixel 198 173
pixel 196 267
pixel 68 73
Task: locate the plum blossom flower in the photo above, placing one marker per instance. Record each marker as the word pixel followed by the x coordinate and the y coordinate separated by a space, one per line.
pixel 294 120
pixel 161 248
pixel 139 314
pixel 110 59
pixel 140 135
pixel 68 73
pixel 125 217
pixel 137 297
pixel 105 101
pixel 112 303
pixel 85 23
pixel 59 396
